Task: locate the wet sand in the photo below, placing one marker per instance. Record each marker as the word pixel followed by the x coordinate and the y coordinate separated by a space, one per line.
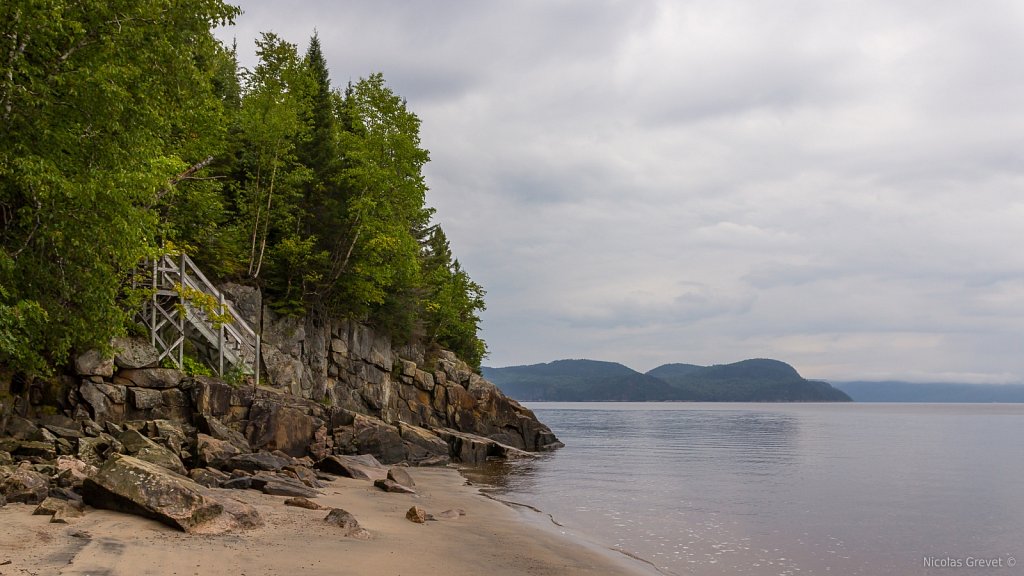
pixel 492 539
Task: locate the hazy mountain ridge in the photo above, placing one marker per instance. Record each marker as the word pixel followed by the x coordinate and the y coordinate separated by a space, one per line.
pixel 756 380
pixel 898 391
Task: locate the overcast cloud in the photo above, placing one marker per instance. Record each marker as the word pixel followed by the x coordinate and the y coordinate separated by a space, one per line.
pixel 839 185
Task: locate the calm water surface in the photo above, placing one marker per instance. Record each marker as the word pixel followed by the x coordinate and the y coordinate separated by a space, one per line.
pixel 848 489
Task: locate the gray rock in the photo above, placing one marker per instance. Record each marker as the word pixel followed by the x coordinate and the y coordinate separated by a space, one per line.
pixel 93 363
pixel 240 483
pixel 51 506
pixel 159 378
pixel 145 449
pixel 134 353
pixel 21 428
pixel 214 453
pixel 131 485
pixel 369 435
pixel 282 487
pixel 145 398
pixel 256 462
pixel 273 426
pixel 358 467
pixel 300 502
pixel 210 425
pixel 61 432
pixel 24 485
pixel 34 451
pixel 389 485
pixel 473 449
pixel 402 477
pixel 348 523
pixel 96 399
pixel 209 477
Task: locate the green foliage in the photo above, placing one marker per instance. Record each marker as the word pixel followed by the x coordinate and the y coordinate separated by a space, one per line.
pixel 128 129
pixel 195 367
pixel 102 105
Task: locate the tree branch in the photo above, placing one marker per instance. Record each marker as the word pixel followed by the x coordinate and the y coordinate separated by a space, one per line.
pixel 186 175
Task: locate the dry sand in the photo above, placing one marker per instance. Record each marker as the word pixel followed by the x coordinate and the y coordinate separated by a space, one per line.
pixel 491 539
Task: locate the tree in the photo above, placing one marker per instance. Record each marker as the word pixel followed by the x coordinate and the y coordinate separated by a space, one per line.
pixel 374 252
pixel 102 105
pixel 453 303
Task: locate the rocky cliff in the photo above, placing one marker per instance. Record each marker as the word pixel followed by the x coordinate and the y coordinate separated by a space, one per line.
pixel 333 390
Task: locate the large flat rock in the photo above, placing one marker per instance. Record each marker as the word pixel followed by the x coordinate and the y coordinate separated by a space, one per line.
pixel 127 484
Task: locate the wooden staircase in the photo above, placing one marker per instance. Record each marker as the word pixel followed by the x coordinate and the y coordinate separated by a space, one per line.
pixel 177 284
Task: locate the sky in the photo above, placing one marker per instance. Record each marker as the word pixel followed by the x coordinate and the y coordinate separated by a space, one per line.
pixel 838 185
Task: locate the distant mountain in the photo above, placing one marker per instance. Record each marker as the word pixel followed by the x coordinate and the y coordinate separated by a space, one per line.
pixel 577 380
pixel 591 380
pixel 895 391
pixel 759 380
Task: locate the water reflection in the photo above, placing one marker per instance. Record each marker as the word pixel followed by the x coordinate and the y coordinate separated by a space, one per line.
pixel 779 489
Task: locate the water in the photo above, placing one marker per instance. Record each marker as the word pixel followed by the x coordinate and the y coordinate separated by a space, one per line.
pixel 778 489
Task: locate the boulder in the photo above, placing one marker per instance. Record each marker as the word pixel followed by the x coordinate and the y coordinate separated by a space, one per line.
pixel 255 462
pixel 51 506
pixel 96 399
pixel 24 484
pixel 34 451
pixel 66 433
pixel 472 449
pixel 159 378
pixel 93 363
pixel 145 398
pixel 238 483
pixel 304 475
pixel 389 485
pixel 368 435
pixel 145 449
pixel 209 477
pixel 131 485
pixel 416 514
pixel 402 477
pixel 273 426
pixel 132 353
pixel 348 523
pixel 210 425
pixel 282 486
pixel 94 450
pixel 214 453
pixel 72 472
pixel 300 502
pixel 423 446
pixel 364 467
pixel 236 515
pixel 21 428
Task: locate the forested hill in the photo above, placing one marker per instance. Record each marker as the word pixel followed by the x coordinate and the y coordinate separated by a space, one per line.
pixel 127 136
pixel 895 391
pixel 577 380
pixel 588 380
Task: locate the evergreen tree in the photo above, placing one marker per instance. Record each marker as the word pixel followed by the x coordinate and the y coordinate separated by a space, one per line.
pixel 103 106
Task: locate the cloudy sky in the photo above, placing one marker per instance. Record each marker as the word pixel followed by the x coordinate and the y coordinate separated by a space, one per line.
pixel 839 185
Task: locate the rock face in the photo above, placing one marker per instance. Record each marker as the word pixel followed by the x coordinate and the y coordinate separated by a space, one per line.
pixel 135 486
pixel 125 434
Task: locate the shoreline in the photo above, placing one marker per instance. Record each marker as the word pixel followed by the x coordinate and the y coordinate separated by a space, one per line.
pixel 496 537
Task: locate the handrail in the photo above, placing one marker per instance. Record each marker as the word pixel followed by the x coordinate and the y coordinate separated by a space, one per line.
pixel 235 340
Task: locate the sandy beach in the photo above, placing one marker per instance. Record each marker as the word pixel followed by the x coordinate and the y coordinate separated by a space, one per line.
pixel 492 538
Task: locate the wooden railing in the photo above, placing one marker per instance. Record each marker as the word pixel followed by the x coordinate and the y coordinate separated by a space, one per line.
pixel 170 311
